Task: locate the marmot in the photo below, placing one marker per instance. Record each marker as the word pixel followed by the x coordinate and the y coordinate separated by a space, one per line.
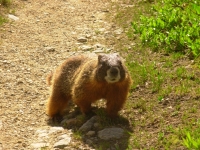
pixel 86 79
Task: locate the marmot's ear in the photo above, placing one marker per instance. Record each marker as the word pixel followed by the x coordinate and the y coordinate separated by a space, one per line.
pixel 100 56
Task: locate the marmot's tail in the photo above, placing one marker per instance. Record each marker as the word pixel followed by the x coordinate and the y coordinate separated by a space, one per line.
pixel 49 79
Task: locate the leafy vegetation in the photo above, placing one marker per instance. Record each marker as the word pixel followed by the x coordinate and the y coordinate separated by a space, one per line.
pixel 3 3
pixel 175 26
pixel 2 20
pixel 192 141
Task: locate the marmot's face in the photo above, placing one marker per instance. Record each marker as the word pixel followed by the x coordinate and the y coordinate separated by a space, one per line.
pixel 110 68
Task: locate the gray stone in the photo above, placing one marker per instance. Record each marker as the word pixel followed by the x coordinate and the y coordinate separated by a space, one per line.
pixel 98 45
pixel 88 125
pixel 70 122
pixel 110 133
pixel 64 136
pixel 41 131
pixel 86 47
pixel 39 145
pixel 99 50
pixel 82 39
pixel 118 31
pixel 50 49
pixel 55 129
pixel 62 143
pixel 90 133
pixel 13 17
pixel 97 125
pixel 43 135
pixel 41 103
pixel 88 141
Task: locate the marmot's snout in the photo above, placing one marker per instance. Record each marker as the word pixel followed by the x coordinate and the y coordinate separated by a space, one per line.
pixel 113 75
pixel 114 71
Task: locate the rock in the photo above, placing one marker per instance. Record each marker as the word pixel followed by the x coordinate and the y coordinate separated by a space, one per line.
pixel 90 133
pixel 55 129
pixel 70 122
pixel 110 133
pixel 118 31
pixel 98 51
pixel 64 136
pixel 50 49
pixel 97 125
pixel 43 135
pixel 86 47
pixel 41 104
pixel 98 46
pixel 63 142
pixel 41 131
pixel 13 17
pixel 88 125
pixel 88 141
pixel 39 145
pixel 82 39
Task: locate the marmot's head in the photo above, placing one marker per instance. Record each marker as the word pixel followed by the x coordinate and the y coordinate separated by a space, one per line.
pixel 110 68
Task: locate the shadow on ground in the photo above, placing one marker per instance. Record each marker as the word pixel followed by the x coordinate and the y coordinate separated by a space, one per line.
pixel 74 120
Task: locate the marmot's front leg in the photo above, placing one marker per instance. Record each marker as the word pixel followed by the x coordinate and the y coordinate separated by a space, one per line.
pixel 84 105
pixel 115 102
pixel 113 106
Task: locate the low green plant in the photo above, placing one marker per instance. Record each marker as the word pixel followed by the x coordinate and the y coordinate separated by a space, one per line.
pixel 173 27
pixel 180 71
pixel 5 2
pixel 2 20
pixel 77 135
pixel 191 142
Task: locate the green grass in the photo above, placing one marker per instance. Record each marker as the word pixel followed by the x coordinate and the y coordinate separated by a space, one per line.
pixel 2 20
pixel 4 4
pixel 192 139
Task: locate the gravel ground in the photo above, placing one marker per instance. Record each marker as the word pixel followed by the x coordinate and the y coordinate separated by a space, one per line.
pixel 43 34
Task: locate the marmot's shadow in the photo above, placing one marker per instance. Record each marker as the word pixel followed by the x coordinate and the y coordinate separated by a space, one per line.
pixel 74 120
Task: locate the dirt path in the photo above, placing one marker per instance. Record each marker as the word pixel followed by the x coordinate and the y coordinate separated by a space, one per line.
pixel 45 34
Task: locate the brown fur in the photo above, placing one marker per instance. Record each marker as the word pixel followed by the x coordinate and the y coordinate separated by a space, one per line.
pixel 77 79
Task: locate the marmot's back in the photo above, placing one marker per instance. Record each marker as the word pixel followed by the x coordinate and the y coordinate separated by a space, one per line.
pixel 66 73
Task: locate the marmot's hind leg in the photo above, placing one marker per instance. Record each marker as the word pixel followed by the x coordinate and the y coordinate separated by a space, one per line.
pixel 57 103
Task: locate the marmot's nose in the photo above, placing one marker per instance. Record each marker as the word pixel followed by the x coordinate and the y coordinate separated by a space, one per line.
pixel 114 71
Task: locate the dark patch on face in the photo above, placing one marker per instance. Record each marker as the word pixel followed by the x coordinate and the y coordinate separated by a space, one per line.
pixel 107 61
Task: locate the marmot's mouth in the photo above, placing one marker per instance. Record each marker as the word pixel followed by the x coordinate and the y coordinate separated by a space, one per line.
pixel 112 80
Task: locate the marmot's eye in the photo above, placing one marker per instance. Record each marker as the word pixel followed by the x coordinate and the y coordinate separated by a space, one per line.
pixel 120 62
pixel 103 63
